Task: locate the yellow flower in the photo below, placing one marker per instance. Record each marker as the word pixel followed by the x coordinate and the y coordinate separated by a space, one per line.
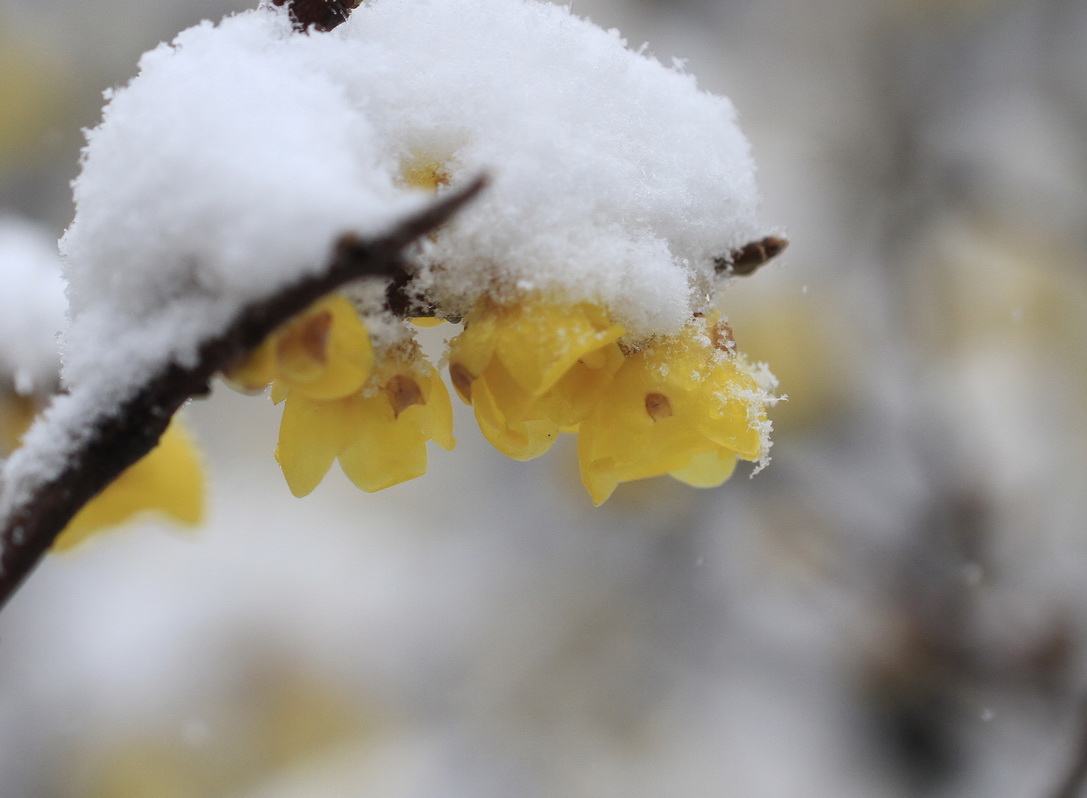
pixel 169 479
pixel 685 406
pixel 533 369
pixel 376 420
pixel 16 413
pixel 427 321
pixel 323 353
pixel 425 172
pixel 379 433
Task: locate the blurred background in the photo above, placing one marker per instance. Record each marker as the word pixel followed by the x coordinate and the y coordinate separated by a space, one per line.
pixel 896 607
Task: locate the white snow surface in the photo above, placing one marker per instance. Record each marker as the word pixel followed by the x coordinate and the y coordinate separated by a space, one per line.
pixel 241 151
pixel 31 306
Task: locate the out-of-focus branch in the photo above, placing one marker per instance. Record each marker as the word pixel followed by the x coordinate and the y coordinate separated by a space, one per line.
pixel 115 437
pixel 1071 785
pixel 321 14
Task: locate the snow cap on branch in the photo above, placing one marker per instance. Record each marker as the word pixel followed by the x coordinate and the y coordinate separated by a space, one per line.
pixel 241 152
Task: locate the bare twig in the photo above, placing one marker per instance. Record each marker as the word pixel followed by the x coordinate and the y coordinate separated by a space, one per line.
pixel 120 435
pixel 748 258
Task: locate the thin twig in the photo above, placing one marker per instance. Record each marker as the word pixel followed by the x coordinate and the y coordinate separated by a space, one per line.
pixel 750 257
pixel 321 14
pixel 119 435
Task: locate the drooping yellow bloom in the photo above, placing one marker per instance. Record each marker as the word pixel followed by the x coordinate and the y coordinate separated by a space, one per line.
pixel 323 353
pixel 533 369
pixel 379 433
pixel 685 406
pixel 337 404
pixel 169 480
pixel 16 413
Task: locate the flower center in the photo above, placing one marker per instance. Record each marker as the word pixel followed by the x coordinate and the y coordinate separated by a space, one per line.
pixel 403 393
pixel 657 406
pixel 462 380
pixel 723 340
pixel 311 337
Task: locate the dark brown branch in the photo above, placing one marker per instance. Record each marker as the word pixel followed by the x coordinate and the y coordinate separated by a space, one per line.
pixel 321 14
pixel 748 258
pixel 120 435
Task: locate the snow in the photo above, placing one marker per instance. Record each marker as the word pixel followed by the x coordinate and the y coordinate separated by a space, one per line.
pixel 31 307
pixel 47 446
pixel 238 155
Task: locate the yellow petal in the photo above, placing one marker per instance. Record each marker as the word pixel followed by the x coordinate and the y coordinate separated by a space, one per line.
pixel 405 405
pixel 521 440
pixel 326 352
pixel 311 434
pixel 651 419
pixel 599 478
pixel 540 341
pixel 16 414
pixel 169 480
pixel 387 449
pixel 427 321
pixel 471 351
pixel 514 404
pixel 580 389
pixel 708 469
pixel 254 372
pixel 439 422
pixel 731 408
pixel 280 392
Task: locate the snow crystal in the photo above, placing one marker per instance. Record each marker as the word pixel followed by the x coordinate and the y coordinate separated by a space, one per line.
pixel 46 447
pixel 241 151
pixel 31 307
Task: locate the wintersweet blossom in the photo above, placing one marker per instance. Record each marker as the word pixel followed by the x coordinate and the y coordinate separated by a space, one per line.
pixel 340 401
pixel 169 480
pixel 685 405
pixel 584 273
pixel 379 433
pixel 16 414
pixel 532 369
pixel 324 353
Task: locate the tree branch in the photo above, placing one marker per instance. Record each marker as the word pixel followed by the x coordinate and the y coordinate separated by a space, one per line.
pixel 36 510
pixel 321 14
